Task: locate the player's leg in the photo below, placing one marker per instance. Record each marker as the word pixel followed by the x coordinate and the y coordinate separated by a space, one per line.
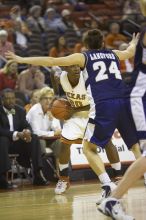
pixel 64 158
pixel 113 157
pixel 130 138
pixel 72 133
pixel 138 106
pixel 134 172
pixel 98 133
pixel 97 165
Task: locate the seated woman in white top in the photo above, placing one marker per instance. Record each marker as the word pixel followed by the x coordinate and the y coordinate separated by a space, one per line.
pixel 43 124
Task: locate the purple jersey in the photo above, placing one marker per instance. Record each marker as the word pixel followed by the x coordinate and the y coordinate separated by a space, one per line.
pixel 102 75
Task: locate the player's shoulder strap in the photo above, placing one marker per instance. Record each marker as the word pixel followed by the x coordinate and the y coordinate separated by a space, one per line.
pixel 63 77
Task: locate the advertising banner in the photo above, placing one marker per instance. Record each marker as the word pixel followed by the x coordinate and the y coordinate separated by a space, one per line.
pixel 78 159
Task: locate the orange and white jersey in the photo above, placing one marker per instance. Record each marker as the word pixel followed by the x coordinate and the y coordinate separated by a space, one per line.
pixel 74 128
pixel 77 96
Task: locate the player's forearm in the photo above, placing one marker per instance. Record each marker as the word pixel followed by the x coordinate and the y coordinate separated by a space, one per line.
pixel 131 50
pixel 38 61
pixel 126 54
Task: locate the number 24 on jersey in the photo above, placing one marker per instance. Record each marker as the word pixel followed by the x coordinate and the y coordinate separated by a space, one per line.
pixel 102 70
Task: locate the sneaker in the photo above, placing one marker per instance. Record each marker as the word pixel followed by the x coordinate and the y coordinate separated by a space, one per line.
pixel 62 185
pixel 107 189
pixel 112 207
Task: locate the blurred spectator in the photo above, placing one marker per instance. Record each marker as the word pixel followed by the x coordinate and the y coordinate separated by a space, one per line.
pixel 8 75
pixel 55 80
pixel 114 38
pixel 79 47
pixel 17 16
pixel 60 48
pixel 72 2
pixel 20 38
pixel 5 46
pixel 52 4
pixel 34 99
pixel 126 66
pixel 27 3
pixel 30 79
pixel 42 122
pixel 131 9
pixel 79 6
pixel 94 24
pixel 15 13
pixel 35 21
pixel 67 22
pixel 52 21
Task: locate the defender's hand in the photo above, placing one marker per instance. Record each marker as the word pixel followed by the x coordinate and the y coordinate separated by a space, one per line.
pixel 11 56
pixel 135 38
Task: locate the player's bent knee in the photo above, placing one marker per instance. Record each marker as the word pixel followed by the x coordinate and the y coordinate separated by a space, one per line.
pixel 88 147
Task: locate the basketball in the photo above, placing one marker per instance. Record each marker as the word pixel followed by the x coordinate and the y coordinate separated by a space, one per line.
pixel 61 109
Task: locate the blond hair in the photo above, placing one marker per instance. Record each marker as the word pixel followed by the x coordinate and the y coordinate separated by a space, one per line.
pixel 45 91
pixel 5 69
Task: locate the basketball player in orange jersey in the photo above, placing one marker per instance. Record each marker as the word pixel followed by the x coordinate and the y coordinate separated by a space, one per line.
pixel 106 91
pixel 73 130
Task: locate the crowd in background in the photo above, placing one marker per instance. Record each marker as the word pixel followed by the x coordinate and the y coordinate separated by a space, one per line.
pixel 55 28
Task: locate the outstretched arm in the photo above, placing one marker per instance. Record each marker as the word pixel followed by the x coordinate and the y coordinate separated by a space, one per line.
pixel 130 51
pixel 74 59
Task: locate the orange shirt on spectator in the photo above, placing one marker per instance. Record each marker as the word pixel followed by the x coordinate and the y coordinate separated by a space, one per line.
pixel 114 40
pixel 54 52
pixel 7 81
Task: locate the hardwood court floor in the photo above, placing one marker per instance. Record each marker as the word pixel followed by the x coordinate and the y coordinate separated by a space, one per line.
pixel 77 204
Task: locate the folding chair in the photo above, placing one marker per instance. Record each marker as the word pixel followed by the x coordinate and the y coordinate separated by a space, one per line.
pixel 17 169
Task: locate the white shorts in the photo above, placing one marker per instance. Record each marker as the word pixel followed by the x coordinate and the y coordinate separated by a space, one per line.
pixel 74 128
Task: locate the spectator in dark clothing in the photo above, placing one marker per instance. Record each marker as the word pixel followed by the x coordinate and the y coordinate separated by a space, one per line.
pixel 35 22
pixel 16 137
